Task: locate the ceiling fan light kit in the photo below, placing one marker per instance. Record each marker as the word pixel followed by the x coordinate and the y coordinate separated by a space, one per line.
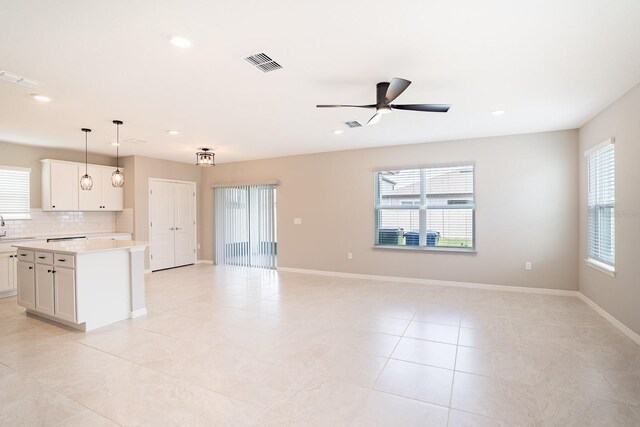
pixel 386 93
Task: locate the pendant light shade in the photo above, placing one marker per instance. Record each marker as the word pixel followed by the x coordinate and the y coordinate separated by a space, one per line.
pixel 86 182
pixel 205 158
pixel 117 178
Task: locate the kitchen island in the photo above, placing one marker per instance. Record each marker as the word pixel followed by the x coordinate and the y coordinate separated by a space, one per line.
pixel 85 284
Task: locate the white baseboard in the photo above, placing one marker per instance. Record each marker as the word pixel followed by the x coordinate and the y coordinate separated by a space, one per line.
pixel 416 281
pixel 204 261
pixel 615 322
pixel 8 294
pixel 137 313
pixel 147 271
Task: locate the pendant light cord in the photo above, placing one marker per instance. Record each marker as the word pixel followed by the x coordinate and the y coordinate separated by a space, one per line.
pixel 117 146
pixel 85 155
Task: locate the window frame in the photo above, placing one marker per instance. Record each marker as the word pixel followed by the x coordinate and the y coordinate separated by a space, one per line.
pixel 23 215
pixel 377 208
pixel 601 264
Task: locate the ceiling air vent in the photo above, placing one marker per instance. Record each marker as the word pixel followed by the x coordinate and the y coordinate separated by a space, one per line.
pixel 262 62
pixel 18 79
pixel 353 124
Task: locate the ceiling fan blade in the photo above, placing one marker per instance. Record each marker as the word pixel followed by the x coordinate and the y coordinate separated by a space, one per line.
pixel 396 87
pixel 354 106
pixel 375 119
pixel 433 108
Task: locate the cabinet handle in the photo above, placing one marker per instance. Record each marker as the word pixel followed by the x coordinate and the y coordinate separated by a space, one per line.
pixel 10 256
pixel 62 260
pixel 41 257
pixel 23 254
pixel 177 228
pixel 53 206
pixel 49 271
pixel 172 229
pixel 53 272
pixel 30 268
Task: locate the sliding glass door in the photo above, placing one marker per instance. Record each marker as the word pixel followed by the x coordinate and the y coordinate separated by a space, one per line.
pixel 245 224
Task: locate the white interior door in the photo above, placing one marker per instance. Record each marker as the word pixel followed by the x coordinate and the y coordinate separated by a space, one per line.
pixel 185 233
pixel 162 227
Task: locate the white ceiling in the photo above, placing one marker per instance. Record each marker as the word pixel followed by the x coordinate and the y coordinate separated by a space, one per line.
pixel 549 64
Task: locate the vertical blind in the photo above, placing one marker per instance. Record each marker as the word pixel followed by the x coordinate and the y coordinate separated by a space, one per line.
pixel 431 206
pixel 14 192
pixel 601 204
pixel 245 223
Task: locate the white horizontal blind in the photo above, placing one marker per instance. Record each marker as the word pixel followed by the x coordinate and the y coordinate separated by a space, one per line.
pixel 601 205
pixel 245 219
pixel 14 192
pixel 431 206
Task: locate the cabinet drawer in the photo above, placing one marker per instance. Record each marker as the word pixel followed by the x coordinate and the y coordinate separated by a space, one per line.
pixel 24 255
pixel 64 260
pixel 44 258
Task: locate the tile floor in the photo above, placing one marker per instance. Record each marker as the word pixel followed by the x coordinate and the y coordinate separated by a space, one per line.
pixel 242 347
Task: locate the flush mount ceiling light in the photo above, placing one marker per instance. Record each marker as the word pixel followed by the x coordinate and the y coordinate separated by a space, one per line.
pixel 173 132
pixel 40 98
pixel 338 131
pixel 205 158
pixel 86 182
pixel 117 178
pixel 181 42
pixel 497 112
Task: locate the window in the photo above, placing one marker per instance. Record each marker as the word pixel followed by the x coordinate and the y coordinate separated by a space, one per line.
pixel 14 192
pixel 427 208
pixel 601 195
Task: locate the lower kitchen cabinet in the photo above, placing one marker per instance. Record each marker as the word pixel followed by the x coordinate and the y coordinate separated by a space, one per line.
pixel 26 284
pixel 65 293
pixel 44 289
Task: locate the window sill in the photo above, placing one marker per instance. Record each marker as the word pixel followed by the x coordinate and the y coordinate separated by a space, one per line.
pixel 8 217
pixel 600 266
pixel 441 249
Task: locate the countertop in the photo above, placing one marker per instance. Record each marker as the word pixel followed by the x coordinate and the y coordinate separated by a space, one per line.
pixel 75 247
pixel 53 236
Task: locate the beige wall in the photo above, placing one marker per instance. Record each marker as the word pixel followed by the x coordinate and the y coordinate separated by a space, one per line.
pixel 138 170
pixel 527 206
pixel 29 156
pixel 618 295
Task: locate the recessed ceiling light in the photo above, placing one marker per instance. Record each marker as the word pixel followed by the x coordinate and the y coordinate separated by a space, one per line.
pixel 173 132
pixel 338 131
pixel 179 41
pixel 497 112
pixel 40 98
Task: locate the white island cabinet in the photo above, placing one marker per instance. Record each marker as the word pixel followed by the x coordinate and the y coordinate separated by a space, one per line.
pixel 85 284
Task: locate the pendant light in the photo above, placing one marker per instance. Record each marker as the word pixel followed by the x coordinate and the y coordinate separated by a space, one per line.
pixel 205 158
pixel 117 178
pixel 86 182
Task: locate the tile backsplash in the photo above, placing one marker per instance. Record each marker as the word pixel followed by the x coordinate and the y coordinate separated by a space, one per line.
pixel 57 223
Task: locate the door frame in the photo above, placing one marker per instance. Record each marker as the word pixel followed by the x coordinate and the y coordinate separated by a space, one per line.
pixel 195 213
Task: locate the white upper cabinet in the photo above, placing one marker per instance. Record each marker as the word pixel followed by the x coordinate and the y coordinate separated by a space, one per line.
pixel 90 200
pixel 61 188
pixel 112 197
pixel 102 196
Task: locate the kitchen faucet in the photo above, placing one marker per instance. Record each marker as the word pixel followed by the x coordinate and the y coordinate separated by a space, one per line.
pixel 2 224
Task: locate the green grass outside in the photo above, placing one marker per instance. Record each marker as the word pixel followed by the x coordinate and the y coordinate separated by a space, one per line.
pixel 454 242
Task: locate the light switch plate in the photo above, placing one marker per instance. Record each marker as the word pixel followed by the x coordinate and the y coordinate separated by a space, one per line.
pixel 349 255
pixel 527 265
pixel 297 221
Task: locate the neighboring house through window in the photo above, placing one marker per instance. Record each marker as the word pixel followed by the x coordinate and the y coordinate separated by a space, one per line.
pixel 426 208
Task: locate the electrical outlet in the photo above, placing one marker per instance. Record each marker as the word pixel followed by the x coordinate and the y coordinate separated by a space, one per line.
pixel 198 245
pixel 527 265
pixel 297 221
pixel 349 255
